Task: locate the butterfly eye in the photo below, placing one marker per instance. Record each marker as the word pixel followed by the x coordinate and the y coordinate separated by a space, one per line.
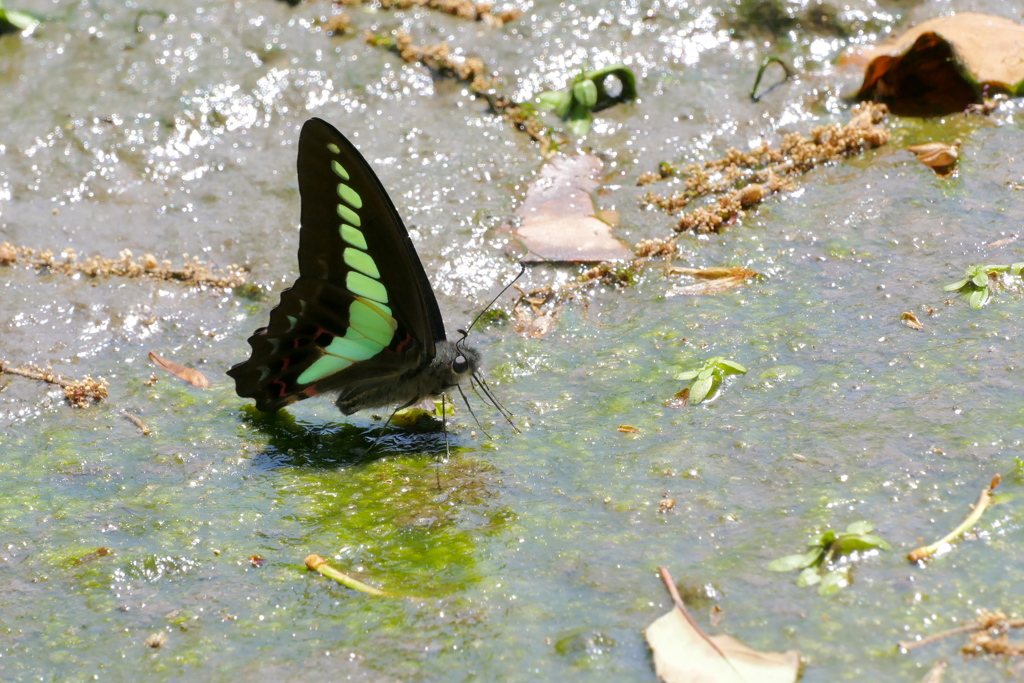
pixel 460 364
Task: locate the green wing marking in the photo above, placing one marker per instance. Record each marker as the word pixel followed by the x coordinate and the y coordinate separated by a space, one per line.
pixel 371 326
pixel 353 236
pixel 349 196
pixel 362 262
pixel 348 215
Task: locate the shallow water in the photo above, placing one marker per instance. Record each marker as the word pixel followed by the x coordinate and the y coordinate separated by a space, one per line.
pixel 536 558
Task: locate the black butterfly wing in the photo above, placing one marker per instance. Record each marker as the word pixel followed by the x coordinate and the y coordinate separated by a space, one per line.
pixel 362 314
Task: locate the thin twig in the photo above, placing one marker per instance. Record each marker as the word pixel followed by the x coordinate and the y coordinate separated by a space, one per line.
pixel 143 427
pixel 993 620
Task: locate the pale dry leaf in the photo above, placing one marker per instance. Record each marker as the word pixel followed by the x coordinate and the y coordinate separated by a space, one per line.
pixel 681 655
pixel 558 219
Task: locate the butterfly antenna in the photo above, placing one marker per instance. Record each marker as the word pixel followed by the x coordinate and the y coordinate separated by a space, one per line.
pixel 465 332
pixel 469 407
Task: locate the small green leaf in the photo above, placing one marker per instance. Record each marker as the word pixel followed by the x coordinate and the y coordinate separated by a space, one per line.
pixel 959 284
pixel 579 125
pixel 1017 268
pixel 705 373
pixel 979 297
pixel 731 367
pixel 699 390
pixel 688 375
pixel 827 538
pixel 861 527
pixel 585 92
pixel 791 562
pixel 808 577
pixel 875 541
pixel 980 280
pixel 552 99
pixel 17 19
pixel 847 544
pixel 834 581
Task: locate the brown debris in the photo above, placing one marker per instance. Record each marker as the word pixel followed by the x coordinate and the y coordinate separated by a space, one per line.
pixel 745 179
pixel 463 9
pixel 192 273
pixel 156 640
pixel 337 24
pixel 988 635
pixel 985 642
pixel 987 105
pixel 78 392
pixel 655 247
pixel 439 59
pixel 532 317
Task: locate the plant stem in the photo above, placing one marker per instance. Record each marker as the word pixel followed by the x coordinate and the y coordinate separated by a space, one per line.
pixel 983 502
pixel 319 564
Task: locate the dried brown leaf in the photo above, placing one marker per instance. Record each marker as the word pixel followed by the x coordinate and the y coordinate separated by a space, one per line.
pixel 911 320
pixel 712 280
pixel 944 64
pixel 193 377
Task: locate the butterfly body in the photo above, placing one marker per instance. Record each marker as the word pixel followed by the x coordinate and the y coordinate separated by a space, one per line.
pixel 361 321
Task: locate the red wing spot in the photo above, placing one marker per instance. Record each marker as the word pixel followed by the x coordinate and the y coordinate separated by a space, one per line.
pixel 321 332
pixel 299 342
pixel 402 344
pixel 284 387
pixel 310 391
pixel 285 362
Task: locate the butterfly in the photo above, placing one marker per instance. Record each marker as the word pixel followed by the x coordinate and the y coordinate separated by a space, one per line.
pixel 361 321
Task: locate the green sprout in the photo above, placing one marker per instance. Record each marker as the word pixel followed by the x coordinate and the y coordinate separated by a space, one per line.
pixel 708 377
pixel 978 278
pixel 587 93
pixel 12 20
pixel 816 565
